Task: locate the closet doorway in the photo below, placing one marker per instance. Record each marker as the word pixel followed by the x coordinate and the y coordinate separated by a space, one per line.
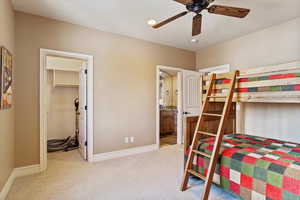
pixel 66 105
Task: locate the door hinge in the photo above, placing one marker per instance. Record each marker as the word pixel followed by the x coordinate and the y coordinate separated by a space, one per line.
pixel 85 143
pixel 85 71
pixel 85 107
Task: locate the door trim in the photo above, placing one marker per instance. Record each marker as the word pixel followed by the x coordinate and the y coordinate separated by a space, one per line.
pixel 179 104
pixel 216 69
pixel 43 101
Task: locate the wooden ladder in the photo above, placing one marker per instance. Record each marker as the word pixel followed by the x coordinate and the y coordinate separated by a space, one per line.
pixel 218 136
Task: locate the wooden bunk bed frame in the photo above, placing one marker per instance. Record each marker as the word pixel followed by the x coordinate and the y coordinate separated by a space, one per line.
pixel 275 84
pixel 270 84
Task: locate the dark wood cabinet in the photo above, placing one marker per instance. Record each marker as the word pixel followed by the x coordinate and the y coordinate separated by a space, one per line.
pixel 168 119
pixel 210 124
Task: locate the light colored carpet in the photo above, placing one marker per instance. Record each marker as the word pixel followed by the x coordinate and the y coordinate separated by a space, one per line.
pixel 148 176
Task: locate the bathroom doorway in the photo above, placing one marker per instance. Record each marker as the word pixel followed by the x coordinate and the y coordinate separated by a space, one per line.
pixel 168 107
pixel 178 96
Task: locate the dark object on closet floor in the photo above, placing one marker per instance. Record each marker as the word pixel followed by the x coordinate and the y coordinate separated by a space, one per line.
pixel 71 142
pixel 68 144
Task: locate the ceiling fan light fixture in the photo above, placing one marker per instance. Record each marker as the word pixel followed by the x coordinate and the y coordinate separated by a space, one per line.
pixel 151 22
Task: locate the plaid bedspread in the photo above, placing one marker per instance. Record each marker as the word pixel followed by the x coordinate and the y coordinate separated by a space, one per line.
pixel 255 168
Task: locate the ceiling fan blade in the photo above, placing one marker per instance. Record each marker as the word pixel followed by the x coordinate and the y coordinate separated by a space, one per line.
pixel 184 1
pixel 228 11
pixel 197 23
pixel 170 19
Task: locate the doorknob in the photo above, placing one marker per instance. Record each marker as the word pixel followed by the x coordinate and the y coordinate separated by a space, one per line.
pixel 186 113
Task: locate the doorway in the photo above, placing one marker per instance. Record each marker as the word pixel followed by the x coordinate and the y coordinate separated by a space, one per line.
pixel 169 85
pixel 188 96
pixel 66 106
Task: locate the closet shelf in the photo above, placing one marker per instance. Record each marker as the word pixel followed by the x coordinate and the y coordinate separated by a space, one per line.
pixel 65 78
pixel 66 85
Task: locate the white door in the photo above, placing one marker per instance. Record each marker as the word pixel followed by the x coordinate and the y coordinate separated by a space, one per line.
pixel 83 111
pixel 191 93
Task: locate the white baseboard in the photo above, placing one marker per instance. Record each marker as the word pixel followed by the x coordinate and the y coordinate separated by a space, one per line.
pixel 7 185
pixel 26 171
pixel 18 172
pixel 123 153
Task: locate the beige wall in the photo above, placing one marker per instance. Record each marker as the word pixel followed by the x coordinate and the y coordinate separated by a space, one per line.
pixel 6 116
pixel 274 45
pixel 61 110
pixel 124 82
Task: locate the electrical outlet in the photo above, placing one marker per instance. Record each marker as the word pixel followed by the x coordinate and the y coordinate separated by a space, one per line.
pixel 126 140
pixel 132 139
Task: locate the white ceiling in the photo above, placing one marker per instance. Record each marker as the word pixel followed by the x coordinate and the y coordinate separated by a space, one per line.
pixel 129 17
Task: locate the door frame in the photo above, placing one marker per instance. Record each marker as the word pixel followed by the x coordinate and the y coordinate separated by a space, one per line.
pixel 43 101
pixel 217 69
pixel 179 103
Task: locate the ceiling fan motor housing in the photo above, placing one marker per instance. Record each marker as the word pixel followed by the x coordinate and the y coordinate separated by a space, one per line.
pixel 197 6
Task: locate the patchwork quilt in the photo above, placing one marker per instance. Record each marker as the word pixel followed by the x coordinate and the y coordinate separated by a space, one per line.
pixel 277 88
pixel 255 168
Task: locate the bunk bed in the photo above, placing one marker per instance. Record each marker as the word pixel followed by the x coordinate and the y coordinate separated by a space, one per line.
pixel 252 167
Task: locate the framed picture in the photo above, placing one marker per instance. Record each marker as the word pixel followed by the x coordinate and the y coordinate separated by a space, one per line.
pixel 5 78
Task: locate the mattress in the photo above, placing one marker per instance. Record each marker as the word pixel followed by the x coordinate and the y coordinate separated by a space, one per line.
pixel 254 167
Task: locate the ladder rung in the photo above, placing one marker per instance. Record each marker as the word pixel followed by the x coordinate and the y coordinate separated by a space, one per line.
pixel 207 133
pixel 197 174
pixel 217 96
pixel 202 153
pixel 212 114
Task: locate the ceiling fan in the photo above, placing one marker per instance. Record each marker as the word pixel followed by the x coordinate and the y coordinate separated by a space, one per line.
pixel 196 6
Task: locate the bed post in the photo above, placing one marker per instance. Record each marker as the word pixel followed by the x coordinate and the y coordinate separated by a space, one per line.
pixel 240 118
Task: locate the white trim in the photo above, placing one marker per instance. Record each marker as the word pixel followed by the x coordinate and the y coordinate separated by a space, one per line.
pixel 43 112
pixel 179 101
pixel 90 112
pixel 43 101
pixel 179 109
pixel 157 118
pixel 27 170
pixel 123 153
pixel 63 69
pixel 218 69
pixel 18 172
pixel 5 190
